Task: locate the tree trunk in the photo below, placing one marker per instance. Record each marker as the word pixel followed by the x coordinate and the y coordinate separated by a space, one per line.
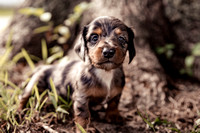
pixel 156 24
pixel 23 26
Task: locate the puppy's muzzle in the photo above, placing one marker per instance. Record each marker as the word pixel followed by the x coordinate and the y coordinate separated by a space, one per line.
pixel 108 52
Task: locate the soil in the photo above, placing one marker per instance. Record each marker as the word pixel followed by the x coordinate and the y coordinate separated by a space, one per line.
pixel 175 108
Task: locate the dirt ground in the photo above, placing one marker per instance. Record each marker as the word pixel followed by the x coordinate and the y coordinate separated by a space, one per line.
pixel 179 107
pixel 175 107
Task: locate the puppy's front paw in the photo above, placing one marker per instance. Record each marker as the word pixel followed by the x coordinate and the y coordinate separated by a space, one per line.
pixel 114 117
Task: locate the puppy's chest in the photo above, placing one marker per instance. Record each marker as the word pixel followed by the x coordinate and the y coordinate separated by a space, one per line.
pixel 105 77
pixel 106 87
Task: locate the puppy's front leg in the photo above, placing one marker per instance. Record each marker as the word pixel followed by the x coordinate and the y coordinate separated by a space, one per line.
pixel 81 112
pixel 112 112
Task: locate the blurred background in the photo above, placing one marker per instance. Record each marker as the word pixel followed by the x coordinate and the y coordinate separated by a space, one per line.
pixel 163 79
pixel 6 11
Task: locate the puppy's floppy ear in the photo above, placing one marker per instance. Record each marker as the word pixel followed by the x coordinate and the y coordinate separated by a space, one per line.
pixel 131 47
pixel 81 45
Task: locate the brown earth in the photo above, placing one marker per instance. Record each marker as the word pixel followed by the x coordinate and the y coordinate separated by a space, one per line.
pixel 178 106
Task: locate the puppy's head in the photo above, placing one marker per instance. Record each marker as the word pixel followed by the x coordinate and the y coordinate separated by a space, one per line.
pixel 104 43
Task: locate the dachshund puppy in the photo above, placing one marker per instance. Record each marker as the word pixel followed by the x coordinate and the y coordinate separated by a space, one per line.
pixel 98 78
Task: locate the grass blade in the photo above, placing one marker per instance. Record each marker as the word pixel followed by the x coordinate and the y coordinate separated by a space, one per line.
pixel 59 109
pixel 17 57
pixel 146 120
pixel 5 56
pixel 31 11
pixel 43 94
pixel 68 93
pixel 9 41
pixel 54 57
pixel 6 78
pixel 44 49
pixel 37 97
pixel 174 129
pixel 81 128
pixel 42 104
pixel 42 29
pixel 35 58
pixel 53 100
pixel 63 100
pixel 36 93
pixel 28 59
pixel 9 83
pixel 53 89
pixel 3 105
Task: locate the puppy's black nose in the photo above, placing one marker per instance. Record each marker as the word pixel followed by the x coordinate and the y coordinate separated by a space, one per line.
pixel 108 53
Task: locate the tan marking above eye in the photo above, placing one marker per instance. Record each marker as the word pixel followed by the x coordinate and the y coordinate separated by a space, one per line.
pixel 97 31
pixel 118 31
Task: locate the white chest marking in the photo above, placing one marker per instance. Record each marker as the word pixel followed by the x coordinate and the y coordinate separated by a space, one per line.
pixel 105 77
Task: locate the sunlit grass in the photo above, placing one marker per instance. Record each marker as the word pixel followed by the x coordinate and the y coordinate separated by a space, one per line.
pixel 28 59
pixel 9 92
pixel 10 118
pixel 81 128
pixel 153 125
pixel 47 97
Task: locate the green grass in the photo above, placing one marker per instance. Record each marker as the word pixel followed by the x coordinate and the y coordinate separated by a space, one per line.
pixel 48 105
pixel 8 104
pixel 157 122
pixel 80 128
pixel 9 92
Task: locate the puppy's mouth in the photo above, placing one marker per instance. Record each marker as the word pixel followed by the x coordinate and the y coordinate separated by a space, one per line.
pixel 106 62
pixel 107 65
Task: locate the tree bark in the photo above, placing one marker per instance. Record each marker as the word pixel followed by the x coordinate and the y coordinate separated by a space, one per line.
pixel 23 26
pixel 156 23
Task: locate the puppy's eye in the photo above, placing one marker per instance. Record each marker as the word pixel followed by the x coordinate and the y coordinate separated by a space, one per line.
pixel 122 40
pixel 94 38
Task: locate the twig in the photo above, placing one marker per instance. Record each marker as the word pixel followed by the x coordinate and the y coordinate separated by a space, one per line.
pixel 48 128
